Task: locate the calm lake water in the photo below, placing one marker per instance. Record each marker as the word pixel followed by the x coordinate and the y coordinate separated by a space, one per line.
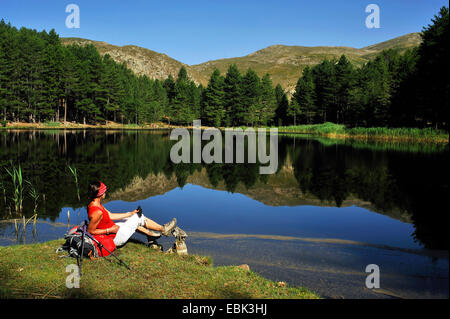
pixel 332 208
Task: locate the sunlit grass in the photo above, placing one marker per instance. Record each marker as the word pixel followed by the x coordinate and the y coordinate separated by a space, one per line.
pixel 381 133
pixel 36 271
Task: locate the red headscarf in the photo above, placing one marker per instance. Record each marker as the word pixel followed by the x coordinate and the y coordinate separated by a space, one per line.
pixel 101 190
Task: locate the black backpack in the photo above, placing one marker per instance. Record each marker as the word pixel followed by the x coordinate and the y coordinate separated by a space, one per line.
pixel 73 245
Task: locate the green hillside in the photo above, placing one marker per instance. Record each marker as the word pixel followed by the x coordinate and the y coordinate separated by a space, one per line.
pixel 284 63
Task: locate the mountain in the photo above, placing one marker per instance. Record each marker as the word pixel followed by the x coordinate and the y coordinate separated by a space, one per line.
pixel 141 60
pixel 284 63
pixel 402 43
pixel 281 189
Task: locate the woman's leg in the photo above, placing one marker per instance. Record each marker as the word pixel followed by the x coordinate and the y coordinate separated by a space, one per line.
pixel 150 224
pixel 164 229
pixel 127 227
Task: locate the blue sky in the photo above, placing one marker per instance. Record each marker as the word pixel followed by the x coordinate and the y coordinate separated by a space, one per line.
pixel 197 31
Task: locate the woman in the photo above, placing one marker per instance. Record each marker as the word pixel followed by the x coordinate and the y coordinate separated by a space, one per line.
pixel 111 234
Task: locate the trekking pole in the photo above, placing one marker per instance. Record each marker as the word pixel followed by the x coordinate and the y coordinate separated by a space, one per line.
pixel 102 246
pixel 83 228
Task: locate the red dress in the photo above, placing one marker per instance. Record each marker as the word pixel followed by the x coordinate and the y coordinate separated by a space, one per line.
pixel 105 222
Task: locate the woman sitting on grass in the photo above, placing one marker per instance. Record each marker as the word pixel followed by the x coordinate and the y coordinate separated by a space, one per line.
pixel 112 234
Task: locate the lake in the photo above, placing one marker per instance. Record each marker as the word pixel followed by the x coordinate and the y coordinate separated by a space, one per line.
pixel 332 208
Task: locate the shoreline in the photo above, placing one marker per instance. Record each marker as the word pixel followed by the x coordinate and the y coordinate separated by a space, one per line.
pixel 371 138
pixel 334 131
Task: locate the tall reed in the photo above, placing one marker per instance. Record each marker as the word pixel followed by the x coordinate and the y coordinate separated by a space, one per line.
pixel 3 188
pixel 382 133
pixel 18 185
pixel 34 194
pixel 74 172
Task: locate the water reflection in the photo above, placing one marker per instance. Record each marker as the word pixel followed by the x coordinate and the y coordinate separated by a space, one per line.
pixel 408 186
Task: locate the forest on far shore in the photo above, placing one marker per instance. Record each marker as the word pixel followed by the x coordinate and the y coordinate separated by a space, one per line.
pixel 41 80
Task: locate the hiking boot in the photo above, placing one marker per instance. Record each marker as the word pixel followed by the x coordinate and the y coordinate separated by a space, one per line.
pixel 153 244
pixel 179 234
pixel 167 228
pixel 152 233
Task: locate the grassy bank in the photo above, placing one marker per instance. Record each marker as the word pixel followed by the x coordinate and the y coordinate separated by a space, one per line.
pixel 375 144
pixel 36 271
pixel 73 125
pixel 371 133
pixel 330 130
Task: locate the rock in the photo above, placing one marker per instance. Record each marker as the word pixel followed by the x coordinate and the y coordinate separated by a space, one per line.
pixel 156 247
pixel 170 251
pixel 244 266
pixel 181 248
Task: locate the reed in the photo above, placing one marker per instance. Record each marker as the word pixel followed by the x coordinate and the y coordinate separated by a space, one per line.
pixel 20 184
pixel 74 172
pixel 34 195
pixel 24 222
pixel 3 189
pixel 18 187
pixel 380 133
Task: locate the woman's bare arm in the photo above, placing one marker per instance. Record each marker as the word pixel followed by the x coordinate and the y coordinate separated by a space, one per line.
pixel 117 216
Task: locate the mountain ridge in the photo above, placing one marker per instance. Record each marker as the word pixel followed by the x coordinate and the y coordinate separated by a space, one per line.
pixel 284 63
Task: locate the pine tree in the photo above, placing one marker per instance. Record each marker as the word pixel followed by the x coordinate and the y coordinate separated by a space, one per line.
pixel 169 86
pixel 69 82
pixel 182 75
pixel 305 95
pixel 182 112
pixel 281 112
pixel 294 111
pixel 89 89
pixel 159 102
pixel 432 66
pixel 52 86
pixel 112 89
pixel 373 93
pixel 345 80
pixel 268 101
pixel 248 112
pixel 213 100
pixel 6 67
pixel 325 90
pixel 195 96
pixel 233 95
pixel 403 111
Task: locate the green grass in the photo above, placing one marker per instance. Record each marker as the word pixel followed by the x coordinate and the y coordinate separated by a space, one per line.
pixel 53 124
pixel 378 145
pixel 132 126
pixel 380 133
pixel 326 128
pixel 36 271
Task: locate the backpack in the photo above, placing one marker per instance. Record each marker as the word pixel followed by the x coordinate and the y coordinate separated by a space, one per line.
pixel 73 245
